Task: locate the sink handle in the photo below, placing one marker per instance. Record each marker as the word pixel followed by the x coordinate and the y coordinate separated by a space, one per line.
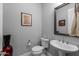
pixel 62 41
pixel 67 42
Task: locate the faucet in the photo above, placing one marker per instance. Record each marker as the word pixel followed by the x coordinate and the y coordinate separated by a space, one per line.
pixel 67 42
pixel 62 41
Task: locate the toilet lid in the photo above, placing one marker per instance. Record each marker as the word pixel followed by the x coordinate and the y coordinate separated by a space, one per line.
pixel 37 48
pixel 44 39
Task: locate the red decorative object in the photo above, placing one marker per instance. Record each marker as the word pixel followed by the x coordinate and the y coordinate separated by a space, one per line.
pixel 7 48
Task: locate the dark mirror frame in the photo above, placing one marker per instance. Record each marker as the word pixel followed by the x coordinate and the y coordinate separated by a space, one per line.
pixel 55 30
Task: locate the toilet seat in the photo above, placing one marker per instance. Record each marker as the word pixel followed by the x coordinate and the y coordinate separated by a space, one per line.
pixel 37 49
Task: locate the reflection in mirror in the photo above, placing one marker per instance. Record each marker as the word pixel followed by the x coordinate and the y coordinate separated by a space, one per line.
pixel 67 19
pixel 75 23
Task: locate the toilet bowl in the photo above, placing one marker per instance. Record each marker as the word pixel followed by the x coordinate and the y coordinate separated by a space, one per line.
pixel 38 50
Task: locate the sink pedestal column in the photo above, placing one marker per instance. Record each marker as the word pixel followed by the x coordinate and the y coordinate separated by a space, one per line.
pixel 61 53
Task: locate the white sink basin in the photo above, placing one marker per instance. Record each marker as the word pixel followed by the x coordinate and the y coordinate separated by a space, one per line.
pixel 63 46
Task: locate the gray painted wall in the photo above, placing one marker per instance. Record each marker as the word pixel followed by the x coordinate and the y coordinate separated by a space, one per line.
pixel 20 34
pixel 1 11
pixel 48 25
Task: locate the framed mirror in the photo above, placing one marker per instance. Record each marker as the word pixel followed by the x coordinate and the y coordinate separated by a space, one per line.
pixel 66 19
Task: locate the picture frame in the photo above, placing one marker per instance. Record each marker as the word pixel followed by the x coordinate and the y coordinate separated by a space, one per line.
pixel 26 19
pixel 61 22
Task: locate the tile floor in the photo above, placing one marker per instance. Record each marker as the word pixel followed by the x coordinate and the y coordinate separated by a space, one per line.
pixel 29 54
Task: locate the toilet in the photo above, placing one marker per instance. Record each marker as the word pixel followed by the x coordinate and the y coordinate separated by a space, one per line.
pixel 38 50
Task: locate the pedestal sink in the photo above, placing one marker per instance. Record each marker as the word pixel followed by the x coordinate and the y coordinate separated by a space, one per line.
pixel 63 47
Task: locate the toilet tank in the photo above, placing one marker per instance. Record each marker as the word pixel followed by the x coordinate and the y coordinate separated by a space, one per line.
pixel 45 42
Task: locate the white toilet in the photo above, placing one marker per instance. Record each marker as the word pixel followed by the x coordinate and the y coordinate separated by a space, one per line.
pixel 38 50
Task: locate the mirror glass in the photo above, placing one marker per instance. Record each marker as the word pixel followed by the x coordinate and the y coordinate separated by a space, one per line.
pixel 67 19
